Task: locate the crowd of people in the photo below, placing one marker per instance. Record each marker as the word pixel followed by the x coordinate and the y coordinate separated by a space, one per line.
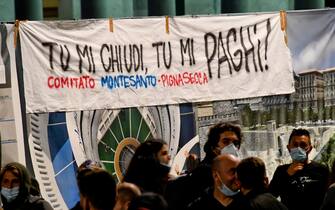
pixel 222 180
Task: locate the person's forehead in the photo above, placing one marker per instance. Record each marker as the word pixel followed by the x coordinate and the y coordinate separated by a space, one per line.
pixel 10 174
pixel 164 148
pixel 298 139
pixel 228 134
pixel 228 164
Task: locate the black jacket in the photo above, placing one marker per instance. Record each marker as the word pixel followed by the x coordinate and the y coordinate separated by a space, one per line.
pixel 303 190
pixel 261 200
pixel 185 189
pixel 29 203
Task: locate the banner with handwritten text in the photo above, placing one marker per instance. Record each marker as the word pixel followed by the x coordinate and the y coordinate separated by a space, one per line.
pixel 104 64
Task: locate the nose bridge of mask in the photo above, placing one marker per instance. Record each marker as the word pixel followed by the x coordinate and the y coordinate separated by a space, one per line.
pixel 299 150
pixel 230 149
pixel 298 154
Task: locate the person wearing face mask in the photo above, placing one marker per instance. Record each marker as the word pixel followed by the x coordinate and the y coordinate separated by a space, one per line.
pixel 225 193
pixel 223 138
pixel 302 183
pixel 148 169
pixel 15 189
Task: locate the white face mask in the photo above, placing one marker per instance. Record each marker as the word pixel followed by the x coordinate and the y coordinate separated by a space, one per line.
pixel 10 193
pixel 231 149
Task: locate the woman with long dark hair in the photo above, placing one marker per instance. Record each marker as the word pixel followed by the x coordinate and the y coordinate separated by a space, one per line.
pixel 148 169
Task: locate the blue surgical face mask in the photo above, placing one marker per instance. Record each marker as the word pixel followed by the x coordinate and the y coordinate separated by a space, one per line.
pixel 227 191
pixel 231 149
pixel 10 193
pixel 298 154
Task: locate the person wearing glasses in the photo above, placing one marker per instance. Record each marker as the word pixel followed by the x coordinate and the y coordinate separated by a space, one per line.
pixel 302 183
pixel 223 138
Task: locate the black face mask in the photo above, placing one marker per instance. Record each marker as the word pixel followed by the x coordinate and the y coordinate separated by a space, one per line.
pixel 163 169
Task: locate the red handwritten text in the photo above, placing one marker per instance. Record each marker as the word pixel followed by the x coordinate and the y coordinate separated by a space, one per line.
pixel 82 82
pixel 185 78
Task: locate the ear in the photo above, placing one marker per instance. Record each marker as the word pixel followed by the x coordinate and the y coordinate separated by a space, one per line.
pixel 86 204
pixel 216 151
pixel 309 149
pixel 238 183
pixel 89 205
pixel 215 176
pixel 126 204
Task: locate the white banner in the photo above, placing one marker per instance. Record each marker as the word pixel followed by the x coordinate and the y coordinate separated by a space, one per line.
pixel 311 38
pixel 104 64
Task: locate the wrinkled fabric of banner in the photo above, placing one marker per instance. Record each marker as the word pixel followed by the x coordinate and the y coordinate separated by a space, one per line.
pixel 311 38
pixel 86 65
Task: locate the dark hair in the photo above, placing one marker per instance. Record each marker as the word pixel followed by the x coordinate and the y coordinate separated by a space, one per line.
pixel 150 148
pixel 35 187
pixel 144 169
pixel 150 201
pixel 22 173
pixel 192 161
pixel 89 164
pixel 214 136
pixel 251 172
pixel 86 166
pixel 99 187
pixel 299 132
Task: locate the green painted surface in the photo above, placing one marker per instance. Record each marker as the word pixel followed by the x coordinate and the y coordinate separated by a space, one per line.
pixel 77 9
pixel 140 8
pixel 116 128
pixel 29 9
pixel 125 121
pixel 128 123
pixel 7 10
pixel 136 118
pixel 69 9
pixel 106 8
pixel 309 4
pixel 106 155
pixel 291 4
pixel 162 7
pixel 241 6
pixel 202 7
